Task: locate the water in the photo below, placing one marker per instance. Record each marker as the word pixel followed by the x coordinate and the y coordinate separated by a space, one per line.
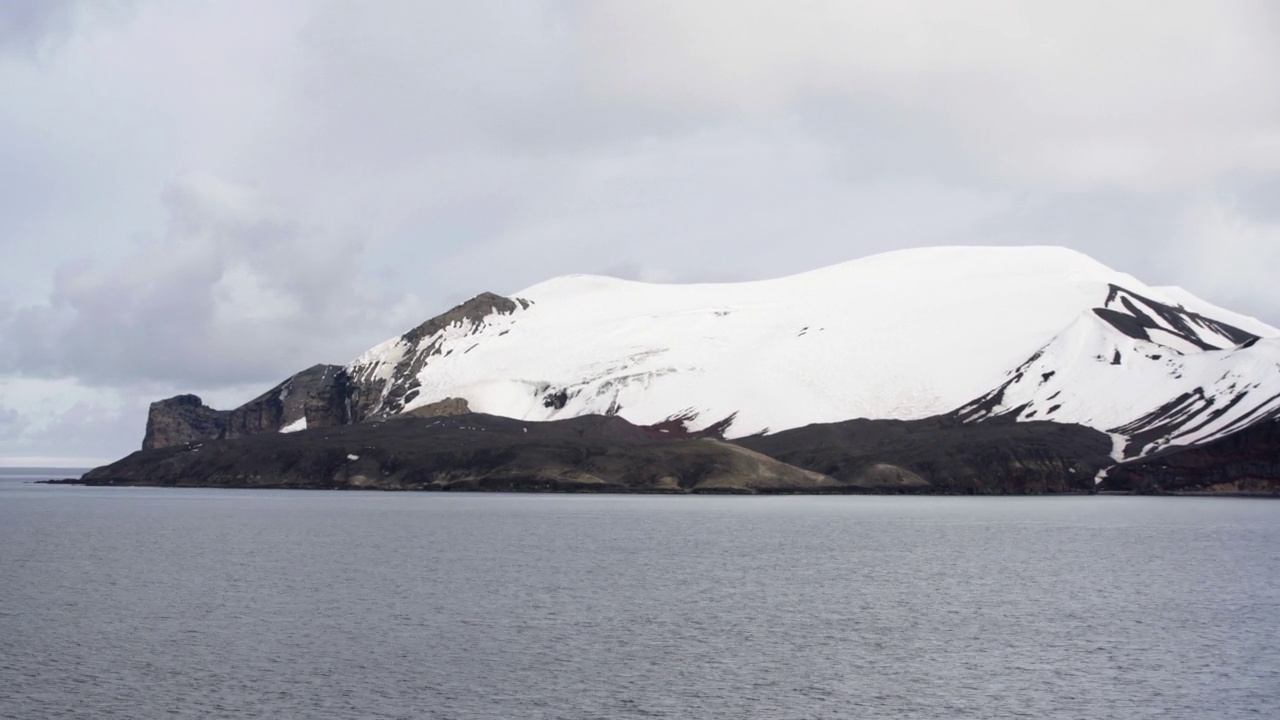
pixel 150 603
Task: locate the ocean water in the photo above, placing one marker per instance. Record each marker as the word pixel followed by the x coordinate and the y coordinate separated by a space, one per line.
pixel 172 603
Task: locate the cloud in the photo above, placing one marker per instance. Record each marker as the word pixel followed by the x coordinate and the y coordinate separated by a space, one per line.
pixel 230 293
pixel 1136 95
pixel 11 422
pixel 29 28
pixel 24 24
pixel 1222 253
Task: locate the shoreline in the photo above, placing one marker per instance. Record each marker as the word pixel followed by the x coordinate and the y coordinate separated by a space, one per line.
pixel 614 490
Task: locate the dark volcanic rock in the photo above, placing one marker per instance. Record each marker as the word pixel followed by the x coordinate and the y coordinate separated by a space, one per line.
pixel 318 394
pixel 1246 462
pixel 596 453
pixel 468 452
pixel 448 407
pixel 182 419
pixel 943 455
pixel 321 394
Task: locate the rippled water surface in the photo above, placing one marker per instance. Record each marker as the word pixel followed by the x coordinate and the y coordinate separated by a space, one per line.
pixel 147 603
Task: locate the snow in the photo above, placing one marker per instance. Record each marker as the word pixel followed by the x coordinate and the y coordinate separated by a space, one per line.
pixel 1096 376
pixel 904 335
pixel 295 426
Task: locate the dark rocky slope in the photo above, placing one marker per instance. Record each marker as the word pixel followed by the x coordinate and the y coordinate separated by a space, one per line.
pixel 466 452
pixel 943 455
pixel 593 453
pixel 1246 462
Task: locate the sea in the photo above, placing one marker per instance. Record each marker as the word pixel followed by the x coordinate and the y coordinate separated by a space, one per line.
pixel 189 603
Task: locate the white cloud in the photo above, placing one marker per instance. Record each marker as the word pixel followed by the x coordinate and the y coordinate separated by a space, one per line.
pixel 1133 94
pixel 1221 253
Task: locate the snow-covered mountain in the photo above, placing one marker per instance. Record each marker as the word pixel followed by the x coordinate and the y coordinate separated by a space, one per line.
pixel 1151 374
pixel 903 335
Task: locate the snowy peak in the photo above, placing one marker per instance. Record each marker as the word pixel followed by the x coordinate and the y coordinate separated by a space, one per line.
pixel 1151 374
pixel 387 376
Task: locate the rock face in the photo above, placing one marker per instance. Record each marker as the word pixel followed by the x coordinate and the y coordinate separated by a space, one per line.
pixel 1247 462
pixel 182 419
pixel 944 455
pixel 320 395
pixel 449 407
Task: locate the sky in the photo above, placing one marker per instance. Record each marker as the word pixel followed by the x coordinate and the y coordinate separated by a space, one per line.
pixel 207 196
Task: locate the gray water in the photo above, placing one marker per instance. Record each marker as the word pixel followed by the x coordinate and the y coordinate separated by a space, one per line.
pixel 151 603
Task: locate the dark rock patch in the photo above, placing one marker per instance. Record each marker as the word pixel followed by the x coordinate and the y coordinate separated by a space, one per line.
pixel 946 455
pixel 1243 463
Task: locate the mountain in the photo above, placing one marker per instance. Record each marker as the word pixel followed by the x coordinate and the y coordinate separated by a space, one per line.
pixel 1151 374
pixel 946 352
pixel 904 335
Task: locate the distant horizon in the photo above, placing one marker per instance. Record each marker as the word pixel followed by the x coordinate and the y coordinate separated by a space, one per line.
pixel 8 466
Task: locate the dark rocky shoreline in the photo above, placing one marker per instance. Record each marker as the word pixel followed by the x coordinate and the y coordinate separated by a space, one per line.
pixel 597 454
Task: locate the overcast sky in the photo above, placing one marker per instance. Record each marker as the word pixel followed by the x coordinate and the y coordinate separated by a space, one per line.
pixel 208 196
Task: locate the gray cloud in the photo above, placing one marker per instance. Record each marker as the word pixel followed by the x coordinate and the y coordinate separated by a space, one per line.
pixel 24 24
pixel 11 421
pixel 228 294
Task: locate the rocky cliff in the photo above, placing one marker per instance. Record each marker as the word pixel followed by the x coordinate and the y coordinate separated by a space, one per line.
pixel 182 419
pixel 316 397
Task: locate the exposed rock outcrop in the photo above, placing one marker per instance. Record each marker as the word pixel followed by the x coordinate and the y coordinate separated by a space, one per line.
pixel 1247 462
pixel 448 407
pixel 320 394
pixel 182 419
